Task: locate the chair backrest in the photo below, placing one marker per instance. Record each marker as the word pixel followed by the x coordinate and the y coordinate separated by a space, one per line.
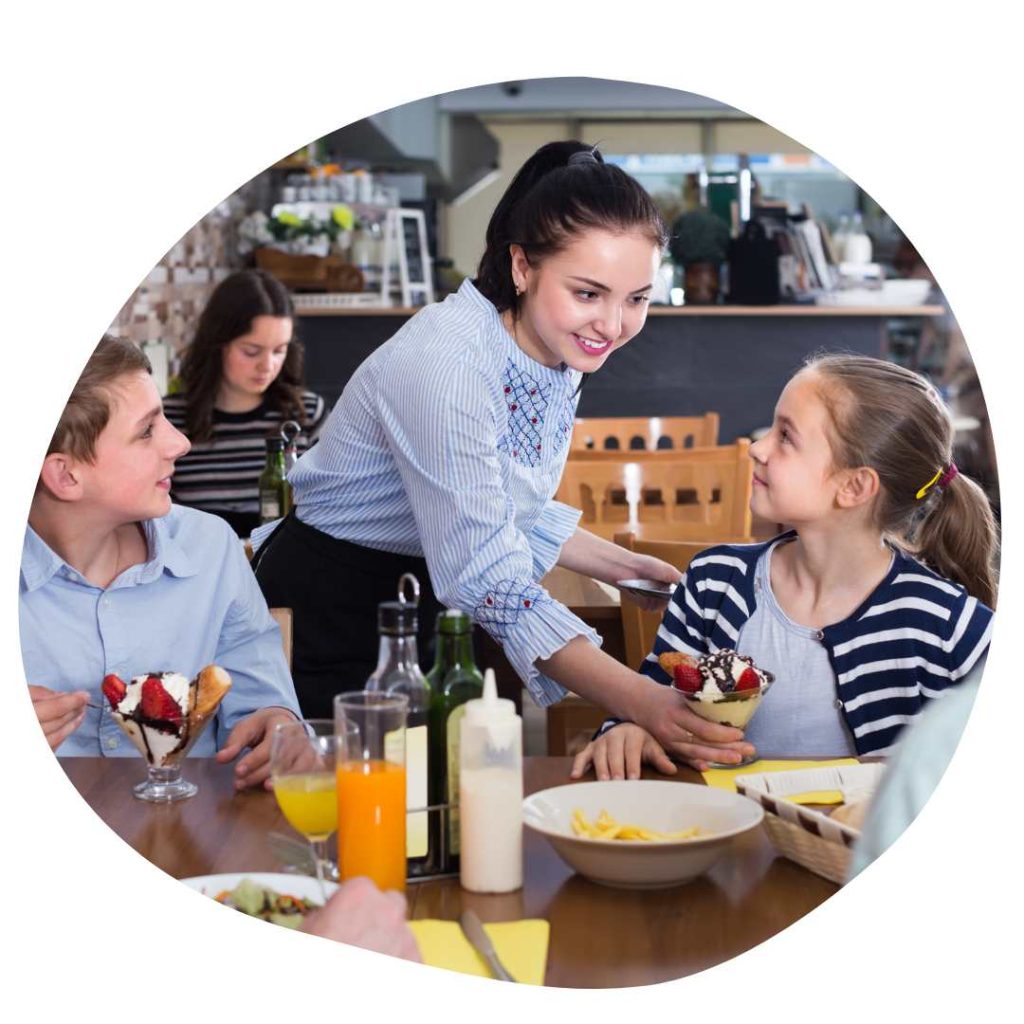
pixel 674 432
pixel 283 617
pixel 639 628
pixel 698 494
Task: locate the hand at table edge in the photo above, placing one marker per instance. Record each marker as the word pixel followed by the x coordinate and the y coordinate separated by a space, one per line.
pixel 254 731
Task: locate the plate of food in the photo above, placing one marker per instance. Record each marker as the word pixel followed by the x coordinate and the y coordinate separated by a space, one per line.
pixel 648 588
pixel 278 898
pixel 639 833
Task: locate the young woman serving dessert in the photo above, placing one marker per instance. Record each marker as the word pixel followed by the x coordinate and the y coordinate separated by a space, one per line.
pixel 442 456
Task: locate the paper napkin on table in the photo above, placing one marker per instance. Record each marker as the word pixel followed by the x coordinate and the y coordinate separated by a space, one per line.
pixel 725 778
pixel 522 946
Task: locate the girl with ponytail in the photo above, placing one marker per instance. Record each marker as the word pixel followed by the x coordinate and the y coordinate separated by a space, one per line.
pixel 877 600
pixel 444 452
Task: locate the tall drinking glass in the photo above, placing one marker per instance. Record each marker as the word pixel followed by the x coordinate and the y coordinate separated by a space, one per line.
pixel 371 788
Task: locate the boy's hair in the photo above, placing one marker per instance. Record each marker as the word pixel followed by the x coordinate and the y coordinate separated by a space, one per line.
pixel 88 409
pixel 891 420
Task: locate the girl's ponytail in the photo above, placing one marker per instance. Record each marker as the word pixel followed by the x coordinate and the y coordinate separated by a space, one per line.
pixel 957 538
pixel 889 418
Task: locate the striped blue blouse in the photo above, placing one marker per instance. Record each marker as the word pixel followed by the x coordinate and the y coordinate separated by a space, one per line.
pixel 448 443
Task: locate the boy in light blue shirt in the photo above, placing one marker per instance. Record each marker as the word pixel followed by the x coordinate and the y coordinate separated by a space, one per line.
pixel 116 579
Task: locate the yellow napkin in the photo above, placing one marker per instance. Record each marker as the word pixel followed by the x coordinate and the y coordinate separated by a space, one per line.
pixel 522 947
pixel 724 778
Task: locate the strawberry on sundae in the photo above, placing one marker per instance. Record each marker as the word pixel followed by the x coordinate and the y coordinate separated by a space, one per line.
pixel 163 714
pixel 724 687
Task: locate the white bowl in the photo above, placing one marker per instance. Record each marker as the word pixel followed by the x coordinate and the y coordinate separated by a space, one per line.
pixel 663 806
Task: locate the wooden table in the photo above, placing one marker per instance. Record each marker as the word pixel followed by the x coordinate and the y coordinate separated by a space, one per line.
pixel 600 937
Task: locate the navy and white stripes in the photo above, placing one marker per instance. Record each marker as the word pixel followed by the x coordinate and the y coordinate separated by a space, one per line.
pixel 911 639
pixel 449 442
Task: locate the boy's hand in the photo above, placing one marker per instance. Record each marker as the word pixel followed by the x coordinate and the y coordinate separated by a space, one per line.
pixel 620 753
pixel 255 732
pixel 59 714
pixel 361 915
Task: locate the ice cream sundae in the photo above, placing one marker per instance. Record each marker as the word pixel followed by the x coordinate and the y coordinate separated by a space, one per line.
pixel 723 687
pixel 163 714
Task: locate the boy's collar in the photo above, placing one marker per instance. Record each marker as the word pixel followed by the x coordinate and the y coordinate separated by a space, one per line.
pixel 40 563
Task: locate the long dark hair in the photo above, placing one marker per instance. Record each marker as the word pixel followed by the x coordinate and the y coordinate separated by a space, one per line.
pixel 890 419
pixel 554 196
pixel 229 314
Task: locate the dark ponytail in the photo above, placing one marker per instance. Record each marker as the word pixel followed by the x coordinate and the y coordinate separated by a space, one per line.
pixel 554 196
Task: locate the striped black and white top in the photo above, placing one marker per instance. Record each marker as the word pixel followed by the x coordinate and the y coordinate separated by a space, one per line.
pixel 222 475
pixel 914 636
pixel 448 443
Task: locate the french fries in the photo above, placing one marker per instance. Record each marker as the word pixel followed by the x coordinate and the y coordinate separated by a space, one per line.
pixel 606 827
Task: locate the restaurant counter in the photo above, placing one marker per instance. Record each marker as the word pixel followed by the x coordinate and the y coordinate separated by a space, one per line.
pixel 688 360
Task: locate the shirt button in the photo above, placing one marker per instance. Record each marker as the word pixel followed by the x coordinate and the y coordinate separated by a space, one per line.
pixel 839 703
pixel 820 635
pixel 111 743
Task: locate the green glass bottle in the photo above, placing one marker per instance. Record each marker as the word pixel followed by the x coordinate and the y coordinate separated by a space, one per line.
pixel 453 680
pixel 275 491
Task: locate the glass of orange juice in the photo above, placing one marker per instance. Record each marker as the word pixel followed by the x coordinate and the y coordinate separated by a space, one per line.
pixel 371 787
pixel 303 761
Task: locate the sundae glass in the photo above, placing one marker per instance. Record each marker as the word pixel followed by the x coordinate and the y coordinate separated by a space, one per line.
pixel 163 714
pixel 724 687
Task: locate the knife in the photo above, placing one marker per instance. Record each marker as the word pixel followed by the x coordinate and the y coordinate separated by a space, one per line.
pixel 481 942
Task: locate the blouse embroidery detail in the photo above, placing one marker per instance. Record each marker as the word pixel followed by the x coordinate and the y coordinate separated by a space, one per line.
pixel 502 605
pixel 527 401
pixel 565 424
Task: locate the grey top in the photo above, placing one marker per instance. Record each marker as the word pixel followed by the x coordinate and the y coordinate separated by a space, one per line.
pixel 800 714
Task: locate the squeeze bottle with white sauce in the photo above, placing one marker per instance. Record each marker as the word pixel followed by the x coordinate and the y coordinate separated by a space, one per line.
pixel 491 793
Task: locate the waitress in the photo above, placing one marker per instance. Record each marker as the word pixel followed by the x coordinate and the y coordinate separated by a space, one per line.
pixel 445 449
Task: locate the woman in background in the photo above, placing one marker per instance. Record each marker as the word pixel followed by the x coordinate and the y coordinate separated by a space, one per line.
pixel 242 378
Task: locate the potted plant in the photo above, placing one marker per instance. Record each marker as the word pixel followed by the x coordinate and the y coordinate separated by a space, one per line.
pixel 700 243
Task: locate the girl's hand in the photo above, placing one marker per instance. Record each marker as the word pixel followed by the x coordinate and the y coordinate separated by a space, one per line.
pixel 683 734
pixel 646 567
pixel 619 754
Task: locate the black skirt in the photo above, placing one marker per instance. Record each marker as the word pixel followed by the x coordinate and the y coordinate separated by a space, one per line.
pixel 333 588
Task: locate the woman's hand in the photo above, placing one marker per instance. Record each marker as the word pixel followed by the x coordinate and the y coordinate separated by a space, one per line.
pixel 619 754
pixel 684 735
pixel 647 567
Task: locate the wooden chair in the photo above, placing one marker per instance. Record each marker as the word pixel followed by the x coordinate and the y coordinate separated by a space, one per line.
pixel 284 618
pixel 698 494
pixel 680 432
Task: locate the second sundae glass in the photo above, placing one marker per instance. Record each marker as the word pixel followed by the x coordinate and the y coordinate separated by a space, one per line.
pixel 735 708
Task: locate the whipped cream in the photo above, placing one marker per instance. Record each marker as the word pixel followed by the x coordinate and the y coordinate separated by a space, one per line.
pixel 173 682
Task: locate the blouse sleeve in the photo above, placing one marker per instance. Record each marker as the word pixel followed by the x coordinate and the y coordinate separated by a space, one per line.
pixel 557 523
pixel 441 429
